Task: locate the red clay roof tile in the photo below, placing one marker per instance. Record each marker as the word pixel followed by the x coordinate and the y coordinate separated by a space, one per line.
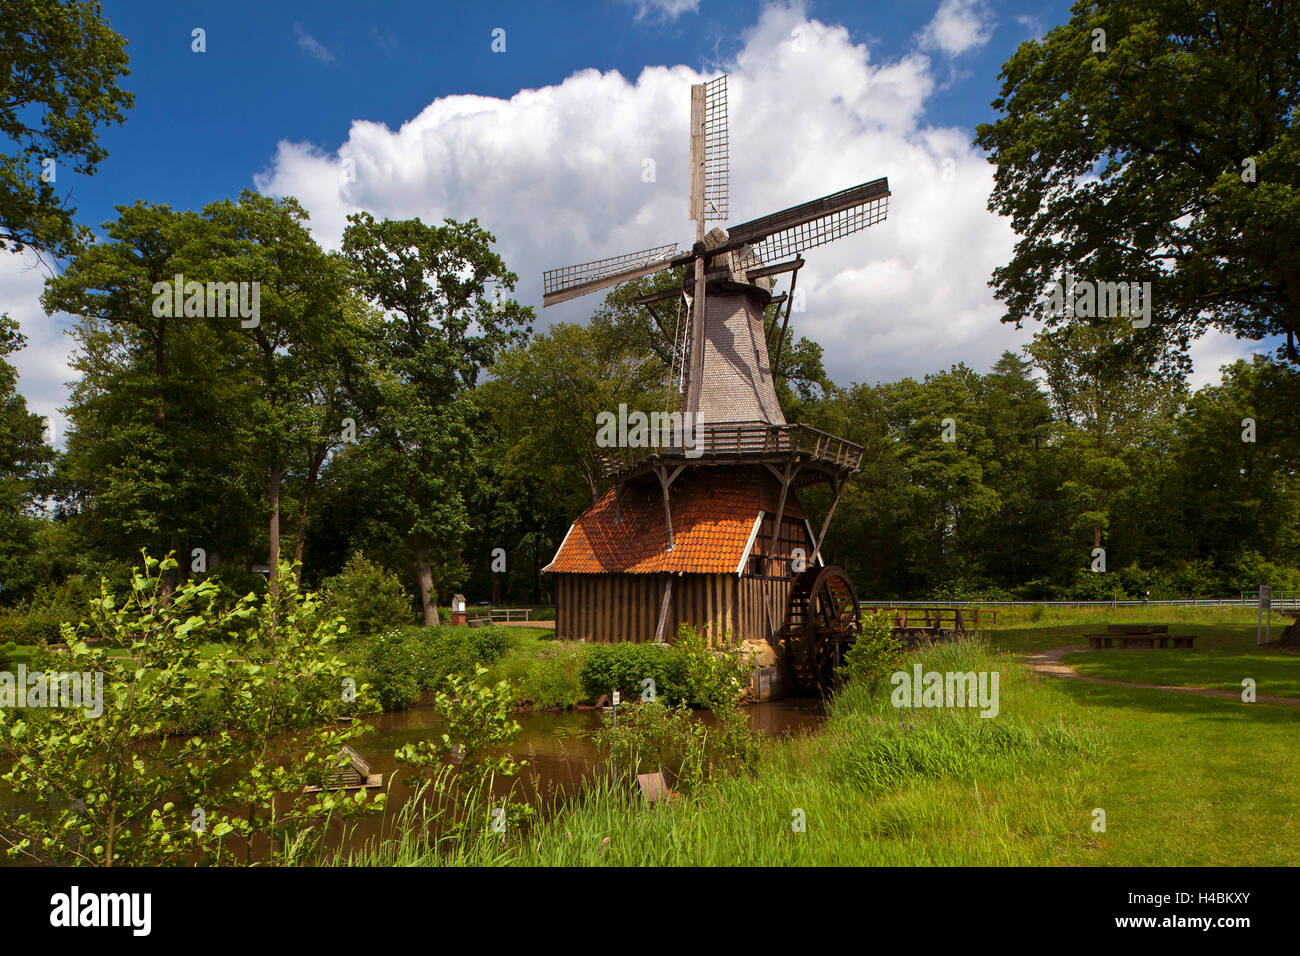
pixel 713 515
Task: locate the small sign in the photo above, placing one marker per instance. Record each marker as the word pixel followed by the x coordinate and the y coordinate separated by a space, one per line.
pixel 616 698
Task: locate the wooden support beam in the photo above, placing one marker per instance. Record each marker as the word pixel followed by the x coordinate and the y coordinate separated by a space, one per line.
pixel 838 485
pixel 772 628
pixel 664 605
pixel 787 476
pixel 780 342
pixel 791 266
pixel 665 482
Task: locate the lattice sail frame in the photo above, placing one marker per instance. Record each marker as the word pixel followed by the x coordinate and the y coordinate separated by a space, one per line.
pixel 787 233
pixel 717 171
pixel 569 277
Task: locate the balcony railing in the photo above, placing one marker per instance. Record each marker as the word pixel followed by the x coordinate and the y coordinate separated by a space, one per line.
pixel 743 441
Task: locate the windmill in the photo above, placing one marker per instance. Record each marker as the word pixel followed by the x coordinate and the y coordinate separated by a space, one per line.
pixel 751 462
pixel 750 253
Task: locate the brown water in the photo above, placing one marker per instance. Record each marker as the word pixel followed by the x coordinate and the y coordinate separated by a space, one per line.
pixel 557 746
pixel 561 757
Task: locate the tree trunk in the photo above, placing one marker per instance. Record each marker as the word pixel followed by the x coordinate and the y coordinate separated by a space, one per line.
pixel 273 559
pixel 428 601
pixel 300 539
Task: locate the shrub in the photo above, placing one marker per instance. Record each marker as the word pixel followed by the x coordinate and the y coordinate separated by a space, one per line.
pixel 36 628
pixel 625 666
pixel 715 678
pixel 875 654
pixel 403 661
pixel 394 665
pixel 368 597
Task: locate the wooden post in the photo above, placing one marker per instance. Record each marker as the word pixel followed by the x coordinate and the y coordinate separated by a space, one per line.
pixel 786 476
pixel 665 482
pixel 663 611
pixel 838 486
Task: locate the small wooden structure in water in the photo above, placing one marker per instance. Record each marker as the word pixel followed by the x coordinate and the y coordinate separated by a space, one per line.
pixel 350 773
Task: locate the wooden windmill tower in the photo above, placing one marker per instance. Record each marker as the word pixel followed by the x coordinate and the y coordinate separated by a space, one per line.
pixel 710 532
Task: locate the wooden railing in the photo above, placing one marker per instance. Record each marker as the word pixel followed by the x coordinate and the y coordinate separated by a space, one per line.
pixel 744 440
pixel 498 613
pixel 920 617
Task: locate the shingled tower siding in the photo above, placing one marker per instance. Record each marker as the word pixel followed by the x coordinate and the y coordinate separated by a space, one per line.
pixel 737 376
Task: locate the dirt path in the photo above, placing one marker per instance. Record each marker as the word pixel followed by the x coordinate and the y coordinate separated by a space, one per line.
pixel 1049 663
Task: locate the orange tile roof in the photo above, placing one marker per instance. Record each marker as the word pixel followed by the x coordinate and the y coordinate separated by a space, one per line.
pixel 713 515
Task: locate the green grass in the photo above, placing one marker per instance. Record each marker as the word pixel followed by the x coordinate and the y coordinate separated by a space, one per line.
pixel 1224 654
pixel 1182 779
pixel 542 671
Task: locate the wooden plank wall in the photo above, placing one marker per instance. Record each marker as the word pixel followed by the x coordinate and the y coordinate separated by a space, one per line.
pixel 624 607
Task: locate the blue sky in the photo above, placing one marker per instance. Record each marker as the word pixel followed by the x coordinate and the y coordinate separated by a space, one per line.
pixel 404 109
pixel 305 71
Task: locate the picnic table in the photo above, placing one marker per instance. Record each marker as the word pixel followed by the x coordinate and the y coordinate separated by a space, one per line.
pixel 1139 635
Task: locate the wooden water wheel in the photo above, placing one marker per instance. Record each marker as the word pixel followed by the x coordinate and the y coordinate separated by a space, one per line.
pixel 821 623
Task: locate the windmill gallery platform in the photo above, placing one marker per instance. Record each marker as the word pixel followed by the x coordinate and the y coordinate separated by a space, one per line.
pixel 710 532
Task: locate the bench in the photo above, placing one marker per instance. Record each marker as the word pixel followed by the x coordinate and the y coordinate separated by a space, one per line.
pixel 1152 639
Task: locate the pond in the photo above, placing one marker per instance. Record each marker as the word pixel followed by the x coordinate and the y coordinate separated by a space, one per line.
pixel 557 746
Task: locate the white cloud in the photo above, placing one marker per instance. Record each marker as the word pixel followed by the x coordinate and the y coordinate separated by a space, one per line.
pixel 313 47
pixel 665 9
pixel 958 26
pixel 42 365
pixel 556 174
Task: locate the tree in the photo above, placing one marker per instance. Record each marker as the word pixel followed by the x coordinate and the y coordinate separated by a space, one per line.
pixel 59 67
pixel 1115 419
pixel 157 455
pixel 1157 142
pixel 439 288
pixel 24 461
pixel 119 780
pixel 301 349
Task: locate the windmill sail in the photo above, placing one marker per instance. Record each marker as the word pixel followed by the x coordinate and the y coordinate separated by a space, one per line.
pixel 710 172
pixel 791 231
pixel 569 282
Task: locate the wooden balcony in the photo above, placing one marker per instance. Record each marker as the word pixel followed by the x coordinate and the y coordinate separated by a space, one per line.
pixel 738 443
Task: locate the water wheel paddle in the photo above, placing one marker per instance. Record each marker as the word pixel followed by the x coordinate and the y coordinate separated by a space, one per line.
pixel 821 623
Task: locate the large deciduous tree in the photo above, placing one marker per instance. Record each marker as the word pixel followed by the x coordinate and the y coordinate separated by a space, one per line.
pixel 59 68
pixel 1157 142
pixel 440 288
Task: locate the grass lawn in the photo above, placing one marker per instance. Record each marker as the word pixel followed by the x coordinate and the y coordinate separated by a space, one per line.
pixel 1224 654
pixel 1182 780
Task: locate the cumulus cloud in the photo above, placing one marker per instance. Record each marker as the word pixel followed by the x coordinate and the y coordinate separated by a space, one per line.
pixel 43 366
pixel 557 174
pixel 958 26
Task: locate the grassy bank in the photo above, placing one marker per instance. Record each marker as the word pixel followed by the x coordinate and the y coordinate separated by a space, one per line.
pixel 1181 780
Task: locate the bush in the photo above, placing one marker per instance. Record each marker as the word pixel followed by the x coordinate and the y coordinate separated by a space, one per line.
pixel 394 664
pixel 624 667
pixel 30 629
pixel 368 597
pixel 402 662
pixel 716 678
pixel 875 654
